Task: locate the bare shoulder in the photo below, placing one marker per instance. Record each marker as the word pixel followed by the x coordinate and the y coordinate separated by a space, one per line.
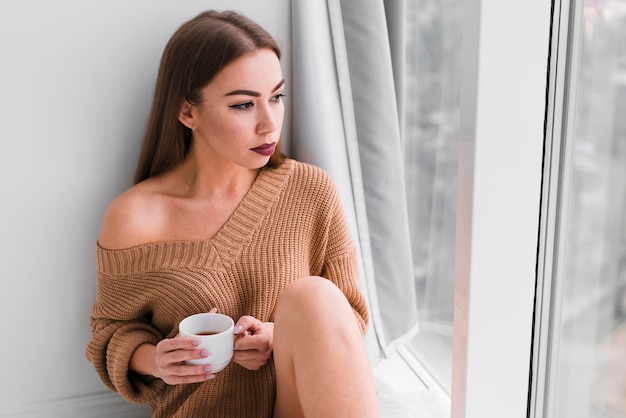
pixel 132 218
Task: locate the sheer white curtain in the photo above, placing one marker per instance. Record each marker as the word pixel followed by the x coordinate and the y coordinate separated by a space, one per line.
pixel 345 120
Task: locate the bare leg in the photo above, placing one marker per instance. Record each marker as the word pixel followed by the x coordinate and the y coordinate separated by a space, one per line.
pixel 322 366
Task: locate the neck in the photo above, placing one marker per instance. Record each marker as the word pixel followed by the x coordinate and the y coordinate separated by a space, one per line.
pixel 215 179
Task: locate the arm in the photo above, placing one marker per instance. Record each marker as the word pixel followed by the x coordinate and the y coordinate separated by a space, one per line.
pixel 110 349
pixel 130 353
pixel 132 357
pixel 340 262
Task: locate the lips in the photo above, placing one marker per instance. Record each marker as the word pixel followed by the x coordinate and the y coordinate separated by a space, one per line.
pixel 265 149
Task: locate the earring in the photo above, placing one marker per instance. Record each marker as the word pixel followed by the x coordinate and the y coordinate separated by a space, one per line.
pixel 193 127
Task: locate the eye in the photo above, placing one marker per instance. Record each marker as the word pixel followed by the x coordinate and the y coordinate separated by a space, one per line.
pixel 278 97
pixel 242 106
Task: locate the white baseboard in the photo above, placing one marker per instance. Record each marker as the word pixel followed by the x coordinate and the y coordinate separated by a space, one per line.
pixel 101 405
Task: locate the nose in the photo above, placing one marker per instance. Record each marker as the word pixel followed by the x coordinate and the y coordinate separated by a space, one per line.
pixel 269 119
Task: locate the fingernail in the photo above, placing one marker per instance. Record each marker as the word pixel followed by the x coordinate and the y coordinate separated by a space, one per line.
pixel 195 342
pixel 207 368
pixel 204 353
pixel 209 376
pixel 238 329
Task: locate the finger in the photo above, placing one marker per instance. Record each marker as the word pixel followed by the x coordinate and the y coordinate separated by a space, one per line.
pixel 177 343
pixel 181 356
pixel 253 341
pixel 214 310
pixel 261 352
pixel 165 359
pixel 248 361
pixel 246 342
pixel 245 355
pixel 188 374
pixel 180 380
pixel 245 323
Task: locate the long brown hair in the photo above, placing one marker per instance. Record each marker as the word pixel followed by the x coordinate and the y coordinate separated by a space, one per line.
pixel 194 55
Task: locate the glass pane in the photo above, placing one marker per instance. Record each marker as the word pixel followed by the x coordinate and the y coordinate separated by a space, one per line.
pixel 591 362
pixel 431 135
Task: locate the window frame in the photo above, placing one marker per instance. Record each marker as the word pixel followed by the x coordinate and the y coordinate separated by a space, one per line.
pixel 564 62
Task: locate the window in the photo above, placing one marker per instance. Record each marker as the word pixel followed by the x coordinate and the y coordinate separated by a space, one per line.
pixel 585 351
pixel 431 135
pixel 474 143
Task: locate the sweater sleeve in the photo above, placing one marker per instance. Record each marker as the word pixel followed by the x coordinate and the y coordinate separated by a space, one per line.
pixel 119 325
pixel 340 262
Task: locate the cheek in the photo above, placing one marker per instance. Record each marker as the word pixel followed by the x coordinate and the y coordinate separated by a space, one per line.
pixel 220 123
pixel 280 115
pixel 230 128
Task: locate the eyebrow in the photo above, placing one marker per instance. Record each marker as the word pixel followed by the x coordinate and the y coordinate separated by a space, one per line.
pixel 253 93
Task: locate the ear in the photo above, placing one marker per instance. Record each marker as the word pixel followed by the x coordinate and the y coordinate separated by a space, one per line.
pixel 185 116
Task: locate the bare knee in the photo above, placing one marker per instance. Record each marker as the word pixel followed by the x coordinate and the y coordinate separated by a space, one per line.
pixel 310 295
pixel 313 306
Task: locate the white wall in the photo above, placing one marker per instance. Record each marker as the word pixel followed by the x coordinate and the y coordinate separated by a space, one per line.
pixel 76 78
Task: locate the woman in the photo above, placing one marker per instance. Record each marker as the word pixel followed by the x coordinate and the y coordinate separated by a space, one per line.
pixel 219 220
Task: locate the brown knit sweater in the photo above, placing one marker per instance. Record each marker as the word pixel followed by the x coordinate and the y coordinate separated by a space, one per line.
pixel 289 225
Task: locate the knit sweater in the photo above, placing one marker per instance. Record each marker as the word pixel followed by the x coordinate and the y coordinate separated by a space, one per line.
pixel 289 225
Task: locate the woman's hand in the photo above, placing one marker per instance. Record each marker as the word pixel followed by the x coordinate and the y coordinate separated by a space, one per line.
pixel 170 358
pixel 253 342
pixel 167 359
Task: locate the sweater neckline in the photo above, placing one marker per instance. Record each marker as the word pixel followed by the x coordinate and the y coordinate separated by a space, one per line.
pixel 217 251
pixel 243 222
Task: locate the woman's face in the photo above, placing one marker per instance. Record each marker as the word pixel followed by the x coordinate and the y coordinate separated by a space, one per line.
pixel 241 113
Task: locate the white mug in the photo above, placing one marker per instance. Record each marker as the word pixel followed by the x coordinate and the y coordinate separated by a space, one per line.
pixel 215 333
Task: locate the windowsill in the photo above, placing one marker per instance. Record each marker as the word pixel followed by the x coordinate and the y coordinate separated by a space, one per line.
pixel 405 390
pixel 434 348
